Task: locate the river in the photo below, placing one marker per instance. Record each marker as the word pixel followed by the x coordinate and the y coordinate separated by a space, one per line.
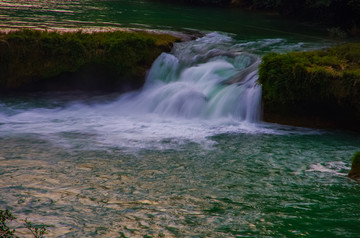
pixel 187 155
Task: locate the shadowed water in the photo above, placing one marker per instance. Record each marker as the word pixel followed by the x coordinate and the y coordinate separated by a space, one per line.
pixel 151 15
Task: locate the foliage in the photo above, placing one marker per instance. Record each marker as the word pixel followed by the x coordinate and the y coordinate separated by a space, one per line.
pixel 38 231
pixel 5 231
pixel 356 158
pixel 28 56
pixel 355 168
pixel 318 81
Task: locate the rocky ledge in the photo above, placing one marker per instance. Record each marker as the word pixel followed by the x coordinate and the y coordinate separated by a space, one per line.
pixel 112 60
pixel 315 89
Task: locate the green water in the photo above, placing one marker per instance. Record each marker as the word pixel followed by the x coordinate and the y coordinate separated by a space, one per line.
pixel 252 185
pixel 152 15
pixel 87 166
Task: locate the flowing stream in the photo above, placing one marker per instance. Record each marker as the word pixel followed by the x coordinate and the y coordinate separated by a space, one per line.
pixel 187 155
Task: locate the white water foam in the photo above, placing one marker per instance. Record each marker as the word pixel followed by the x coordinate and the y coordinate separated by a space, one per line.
pixel 334 167
pixel 203 88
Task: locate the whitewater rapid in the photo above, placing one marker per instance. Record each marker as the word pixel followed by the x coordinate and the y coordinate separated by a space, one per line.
pixel 200 80
pixel 202 88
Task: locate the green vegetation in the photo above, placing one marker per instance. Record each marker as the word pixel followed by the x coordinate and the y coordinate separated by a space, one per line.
pixel 324 83
pixel 38 231
pixel 35 60
pixel 355 168
pixel 5 231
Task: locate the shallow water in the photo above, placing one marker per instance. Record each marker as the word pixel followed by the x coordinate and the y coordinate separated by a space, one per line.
pixel 292 182
pixel 186 156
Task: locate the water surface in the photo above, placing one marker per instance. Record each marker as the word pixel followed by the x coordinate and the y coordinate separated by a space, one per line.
pixel 187 155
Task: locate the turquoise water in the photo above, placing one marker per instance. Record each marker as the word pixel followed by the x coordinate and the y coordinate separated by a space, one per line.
pixel 186 156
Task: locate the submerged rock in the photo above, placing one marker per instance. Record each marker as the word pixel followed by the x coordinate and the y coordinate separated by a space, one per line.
pixel 355 168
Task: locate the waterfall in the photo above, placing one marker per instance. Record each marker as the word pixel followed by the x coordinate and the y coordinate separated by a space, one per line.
pixel 202 88
pixel 207 78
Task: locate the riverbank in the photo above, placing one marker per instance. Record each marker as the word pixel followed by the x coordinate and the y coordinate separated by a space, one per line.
pixel 317 89
pixel 112 60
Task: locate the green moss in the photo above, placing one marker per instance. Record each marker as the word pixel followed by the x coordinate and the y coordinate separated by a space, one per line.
pixel 323 82
pixel 28 57
pixel 355 168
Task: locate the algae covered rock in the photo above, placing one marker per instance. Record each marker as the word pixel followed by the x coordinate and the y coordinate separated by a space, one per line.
pixel 322 84
pixel 355 168
pixel 32 60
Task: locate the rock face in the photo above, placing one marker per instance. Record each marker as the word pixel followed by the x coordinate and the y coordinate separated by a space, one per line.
pixel 355 168
pixel 32 60
pixel 313 88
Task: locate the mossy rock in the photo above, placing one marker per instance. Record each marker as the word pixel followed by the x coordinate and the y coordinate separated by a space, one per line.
pixel 32 60
pixel 355 168
pixel 319 84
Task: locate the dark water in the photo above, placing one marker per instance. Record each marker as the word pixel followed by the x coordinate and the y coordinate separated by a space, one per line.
pixel 152 15
pixel 180 158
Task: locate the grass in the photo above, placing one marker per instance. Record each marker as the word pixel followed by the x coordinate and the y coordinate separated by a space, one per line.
pixel 29 57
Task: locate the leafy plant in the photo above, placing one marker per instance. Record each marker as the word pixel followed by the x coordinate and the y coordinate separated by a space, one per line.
pixel 5 231
pixel 38 231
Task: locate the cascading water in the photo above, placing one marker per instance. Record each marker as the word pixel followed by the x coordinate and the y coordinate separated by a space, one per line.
pixel 202 88
pixel 204 78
